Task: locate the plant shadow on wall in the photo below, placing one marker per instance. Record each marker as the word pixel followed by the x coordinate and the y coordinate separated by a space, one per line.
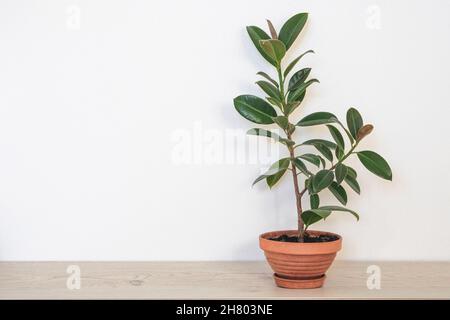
pixel 301 257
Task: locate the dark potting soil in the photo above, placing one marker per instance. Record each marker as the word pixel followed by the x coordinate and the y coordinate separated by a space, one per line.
pixel 306 238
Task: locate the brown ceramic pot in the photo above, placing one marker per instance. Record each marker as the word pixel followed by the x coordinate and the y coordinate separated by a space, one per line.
pixel 299 265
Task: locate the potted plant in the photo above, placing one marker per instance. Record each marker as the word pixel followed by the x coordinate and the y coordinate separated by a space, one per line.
pixel 301 257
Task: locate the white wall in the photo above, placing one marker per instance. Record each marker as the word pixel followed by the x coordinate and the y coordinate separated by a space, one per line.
pixel 89 119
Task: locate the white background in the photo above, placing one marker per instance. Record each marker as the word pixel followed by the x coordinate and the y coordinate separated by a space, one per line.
pixel 88 117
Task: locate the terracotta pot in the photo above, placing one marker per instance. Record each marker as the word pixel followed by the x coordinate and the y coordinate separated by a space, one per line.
pixel 299 265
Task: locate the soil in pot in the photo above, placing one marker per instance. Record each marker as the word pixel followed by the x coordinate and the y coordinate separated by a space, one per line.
pixel 306 239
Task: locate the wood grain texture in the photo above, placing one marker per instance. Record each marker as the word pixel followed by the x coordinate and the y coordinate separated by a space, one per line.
pixel 217 280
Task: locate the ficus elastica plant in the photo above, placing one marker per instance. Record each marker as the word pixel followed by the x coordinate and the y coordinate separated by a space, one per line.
pixel 312 172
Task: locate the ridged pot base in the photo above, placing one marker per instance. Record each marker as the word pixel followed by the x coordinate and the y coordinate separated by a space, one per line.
pixel 292 283
pixel 299 265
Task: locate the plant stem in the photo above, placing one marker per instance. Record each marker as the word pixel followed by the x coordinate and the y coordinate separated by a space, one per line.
pixel 281 81
pixel 298 198
pixel 346 156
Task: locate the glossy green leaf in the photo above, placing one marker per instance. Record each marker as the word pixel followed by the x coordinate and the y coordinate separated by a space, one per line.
pixel 275 49
pixel 312 158
pixel 298 78
pixel 322 180
pixel 337 136
pixel 292 28
pixel 302 167
pixel 317 118
pixel 326 143
pixel 275 168
pixel 323 146
pixel 339 152
pixel 296 95
pixel 269 78
pixel 375 164
pixel 325 151
pixel 292 105
pixel 275 102
pixel 339 192
pixel 337 208
pixel 282 121
pixel 254 109
pixel 354 121
pixel 351 181
pixel 351 172
pixel 314 201
pixel 272 180
pixel 340 172
pixel 294 62
pixel 257 34
pixel 312 216
pixel 308 185
pixel 270 89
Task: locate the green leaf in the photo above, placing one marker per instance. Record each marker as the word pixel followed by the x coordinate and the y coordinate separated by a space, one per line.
pixel 292 28
pixel 323 146
pixel 325 151
pixel 302 167
pixel 312 158
pixel 275 49
pixel 294 62
pixel 354 121
pixel 322 180
pixel 317 118
pixel 282 121
pixel 265 75
pixel 275 168
pixel 308 185
pixel 337 208
pixel 323 161
pixel 314 201
pixel 351 181
pixel 272 180
pixel 337 136
pixel 296 95
pixel 351 172
pixel 312 216
pixel 340 172
pixel 270 89
pixel 292 105
pixel 339 152
pixel 375 164
pixel 339 192
pixel 274 102
pixel 254 109
pixel 298 78
pixel 326 143
pixel 256 34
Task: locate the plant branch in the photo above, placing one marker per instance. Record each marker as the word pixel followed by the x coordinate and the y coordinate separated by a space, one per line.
pixel 298 196
pixel 345 156
pixel 281 81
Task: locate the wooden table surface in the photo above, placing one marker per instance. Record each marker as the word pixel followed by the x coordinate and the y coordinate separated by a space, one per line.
pixel 217 280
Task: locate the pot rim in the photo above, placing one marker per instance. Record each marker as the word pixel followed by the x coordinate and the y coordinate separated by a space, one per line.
pixel 299 248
